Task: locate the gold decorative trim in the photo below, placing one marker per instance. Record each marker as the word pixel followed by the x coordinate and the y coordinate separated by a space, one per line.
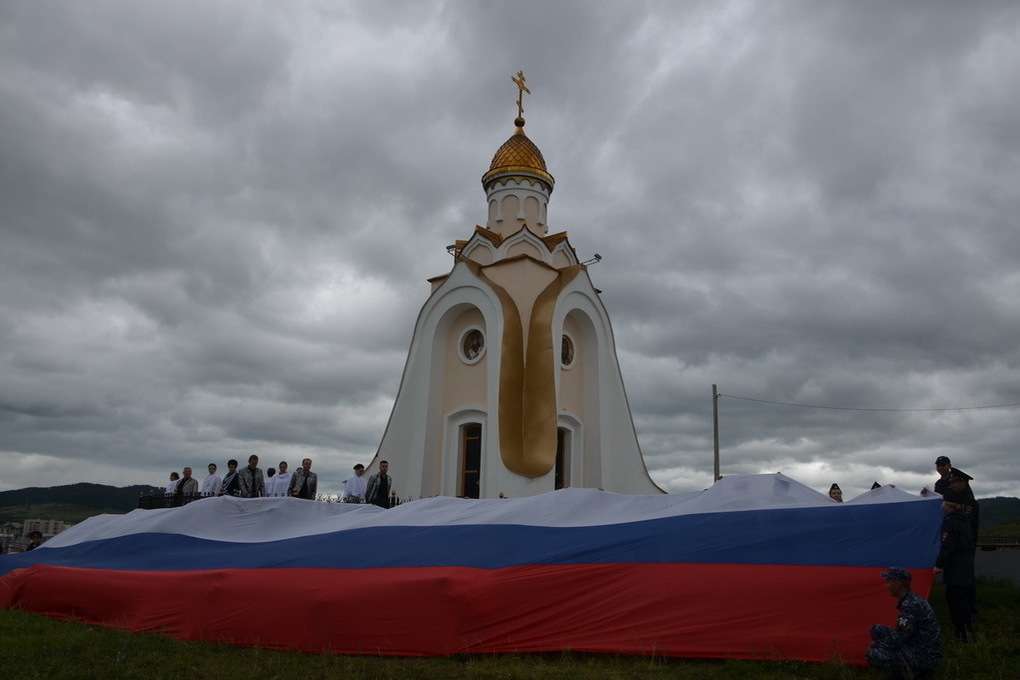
pixel 553 240
pixel 512 170
pixel 495 238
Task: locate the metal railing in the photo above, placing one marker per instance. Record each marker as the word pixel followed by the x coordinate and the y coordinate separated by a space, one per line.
pixel 999 543
pixel 157 499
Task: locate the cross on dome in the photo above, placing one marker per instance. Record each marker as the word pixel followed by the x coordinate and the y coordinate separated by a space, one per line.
pixel 519 81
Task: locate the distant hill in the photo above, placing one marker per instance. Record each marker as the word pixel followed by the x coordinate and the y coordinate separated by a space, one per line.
pixel 70 503
pixel 998 511
pixel 1009 530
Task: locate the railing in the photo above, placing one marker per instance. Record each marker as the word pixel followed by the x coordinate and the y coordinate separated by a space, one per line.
pixel 999 543
pixel 156 499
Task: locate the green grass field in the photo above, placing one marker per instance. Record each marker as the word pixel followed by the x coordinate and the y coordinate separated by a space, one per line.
pixel 33 646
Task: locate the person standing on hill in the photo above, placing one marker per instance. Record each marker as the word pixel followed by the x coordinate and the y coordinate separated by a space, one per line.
pixel 379 486
pixel 280 484
pixel 186 489
pixel 188 486
pixel 959 482
pixel 211 484
pixel 172 485
pixel 355 486
pixel 304 483
pixel 231 483
pixel 947 472
pixel 956 563
pixel 251 482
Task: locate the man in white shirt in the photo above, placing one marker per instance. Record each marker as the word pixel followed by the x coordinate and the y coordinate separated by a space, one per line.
pixel 211 484
pixel 279 484
pixel 355 486
pixel 172 485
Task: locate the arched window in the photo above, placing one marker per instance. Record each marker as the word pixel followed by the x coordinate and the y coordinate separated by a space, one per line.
pixel 471 460
pixel 562 475
pixel 566 351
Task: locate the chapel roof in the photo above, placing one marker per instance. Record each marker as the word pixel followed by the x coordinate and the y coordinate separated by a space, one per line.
pixel 518 156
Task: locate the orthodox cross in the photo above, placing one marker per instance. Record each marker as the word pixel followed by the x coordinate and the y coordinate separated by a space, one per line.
pixel 519 82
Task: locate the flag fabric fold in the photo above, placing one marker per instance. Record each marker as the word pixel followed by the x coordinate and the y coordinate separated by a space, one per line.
pixel 757 566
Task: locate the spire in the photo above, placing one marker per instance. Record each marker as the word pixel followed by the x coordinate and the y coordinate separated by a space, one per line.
pixel 518 172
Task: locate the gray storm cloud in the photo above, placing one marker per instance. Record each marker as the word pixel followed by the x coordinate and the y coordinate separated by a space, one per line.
pixel 217 221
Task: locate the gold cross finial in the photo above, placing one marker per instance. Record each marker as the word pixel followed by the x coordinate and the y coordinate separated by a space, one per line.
pixel 519 82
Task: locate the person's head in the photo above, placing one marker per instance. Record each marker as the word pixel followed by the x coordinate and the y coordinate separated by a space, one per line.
pixel 944 466
pixel 187 473
pixel 253 461
pixel 174 476
pixel 232 465
pixel 835 493
pixel 897 581
pixel 35 537
pixel 212 468
pixel 270 472
pixel 359 469
pixel 384 466
pixel 283 466
pixel 306 464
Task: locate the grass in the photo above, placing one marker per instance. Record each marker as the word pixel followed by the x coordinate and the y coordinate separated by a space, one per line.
pixel 33 646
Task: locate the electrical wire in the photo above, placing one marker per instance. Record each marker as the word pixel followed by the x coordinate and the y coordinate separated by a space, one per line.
pixel 880 410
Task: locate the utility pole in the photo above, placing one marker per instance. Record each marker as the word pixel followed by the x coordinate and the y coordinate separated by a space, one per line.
pixel 715 430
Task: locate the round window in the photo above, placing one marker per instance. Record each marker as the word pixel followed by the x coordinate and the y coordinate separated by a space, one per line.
pixel 472 345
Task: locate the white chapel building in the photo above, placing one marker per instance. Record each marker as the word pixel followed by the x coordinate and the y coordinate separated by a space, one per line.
pixel 512 386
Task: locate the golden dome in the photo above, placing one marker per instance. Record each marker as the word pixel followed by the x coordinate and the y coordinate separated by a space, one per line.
pixel 518 156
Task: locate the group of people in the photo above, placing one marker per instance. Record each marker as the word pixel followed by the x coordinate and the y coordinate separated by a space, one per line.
pixel 836 493
pixel 913 648
pixel 250 482
pixel 376 491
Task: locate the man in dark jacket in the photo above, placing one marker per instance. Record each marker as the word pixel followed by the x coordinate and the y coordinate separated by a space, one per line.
pixel 35 539
pixel 304 483
pixel 379 487
pixel 956 562
pixel 251 482
pixel 914 648
pixel 186 490
pixel 957 480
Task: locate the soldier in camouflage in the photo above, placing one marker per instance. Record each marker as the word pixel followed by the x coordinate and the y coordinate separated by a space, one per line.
pixel 914 648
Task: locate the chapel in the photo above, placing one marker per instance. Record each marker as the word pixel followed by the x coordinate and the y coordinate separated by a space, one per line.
pixel 512 385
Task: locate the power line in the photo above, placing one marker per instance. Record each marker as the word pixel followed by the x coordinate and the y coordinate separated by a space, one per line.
pixel 881 410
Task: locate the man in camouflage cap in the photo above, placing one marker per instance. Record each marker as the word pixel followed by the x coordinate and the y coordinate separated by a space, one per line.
pixel 914 648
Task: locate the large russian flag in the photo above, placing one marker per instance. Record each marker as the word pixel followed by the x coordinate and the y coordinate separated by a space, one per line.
pixel 756 567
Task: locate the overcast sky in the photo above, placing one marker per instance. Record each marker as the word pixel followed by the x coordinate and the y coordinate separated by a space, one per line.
pixel 218 219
